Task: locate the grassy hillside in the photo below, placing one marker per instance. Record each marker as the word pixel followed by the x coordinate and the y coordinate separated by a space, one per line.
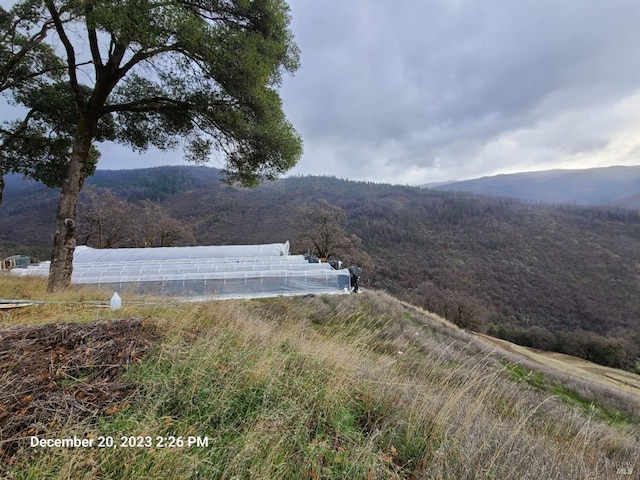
pixel 359 386
pixel 560 277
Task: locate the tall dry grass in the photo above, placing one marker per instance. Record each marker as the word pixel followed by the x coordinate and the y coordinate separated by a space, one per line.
pixel 358 386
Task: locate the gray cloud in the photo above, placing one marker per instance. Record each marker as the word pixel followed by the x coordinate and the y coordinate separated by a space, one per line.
pixel 415 91
pixel 431 85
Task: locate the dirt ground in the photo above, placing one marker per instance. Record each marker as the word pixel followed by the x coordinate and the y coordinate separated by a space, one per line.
pixel 612 377
pixel 57 373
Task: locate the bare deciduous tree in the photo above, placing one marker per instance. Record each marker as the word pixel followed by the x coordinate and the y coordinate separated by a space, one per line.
pixel 322 232
pixel 154 227
pixel 108 222
pixel 103 219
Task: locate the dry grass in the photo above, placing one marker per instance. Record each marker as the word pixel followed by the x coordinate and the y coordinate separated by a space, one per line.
pixel 358 386
pixel 78 303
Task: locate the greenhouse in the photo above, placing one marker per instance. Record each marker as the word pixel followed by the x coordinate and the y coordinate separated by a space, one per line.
pixel 233 271
pixel 84 254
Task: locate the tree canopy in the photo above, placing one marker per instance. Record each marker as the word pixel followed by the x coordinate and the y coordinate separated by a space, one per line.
pixel 24 56
pixel 198 74
pixel 27 62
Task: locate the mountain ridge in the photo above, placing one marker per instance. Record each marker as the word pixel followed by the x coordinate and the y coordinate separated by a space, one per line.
pixel 616 185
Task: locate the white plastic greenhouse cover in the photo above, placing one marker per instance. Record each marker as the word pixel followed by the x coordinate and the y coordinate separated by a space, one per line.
pixel 233 271
pixel 84 254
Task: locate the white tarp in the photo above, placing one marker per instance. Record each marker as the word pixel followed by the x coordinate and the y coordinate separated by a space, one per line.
pixel 84 254
pixel 233 271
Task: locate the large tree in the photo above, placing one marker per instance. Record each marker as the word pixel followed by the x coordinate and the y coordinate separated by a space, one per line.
pixel 201 74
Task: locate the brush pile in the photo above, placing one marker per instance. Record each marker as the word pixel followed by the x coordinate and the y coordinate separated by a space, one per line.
pixel 56 374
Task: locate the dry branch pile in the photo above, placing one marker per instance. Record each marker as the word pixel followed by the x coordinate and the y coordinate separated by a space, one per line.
pixel 55 374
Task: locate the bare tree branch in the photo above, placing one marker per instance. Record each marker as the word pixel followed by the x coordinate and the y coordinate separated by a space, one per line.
pixel 71 54
pixel 151 104
pixel 144 55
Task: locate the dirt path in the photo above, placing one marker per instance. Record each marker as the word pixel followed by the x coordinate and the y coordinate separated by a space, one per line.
pixel 625 381
pixel 567 364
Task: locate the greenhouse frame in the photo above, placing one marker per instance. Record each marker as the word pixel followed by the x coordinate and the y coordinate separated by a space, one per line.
pixel 231 271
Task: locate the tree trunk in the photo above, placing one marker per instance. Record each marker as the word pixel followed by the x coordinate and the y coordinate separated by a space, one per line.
pixel 1 176
pixel 64 242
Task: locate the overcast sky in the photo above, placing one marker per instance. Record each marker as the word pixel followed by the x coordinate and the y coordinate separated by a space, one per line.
pixel 418 91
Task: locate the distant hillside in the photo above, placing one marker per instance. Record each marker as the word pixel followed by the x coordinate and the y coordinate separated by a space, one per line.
pixel 561 278
pixel 628 201
pixel 596 186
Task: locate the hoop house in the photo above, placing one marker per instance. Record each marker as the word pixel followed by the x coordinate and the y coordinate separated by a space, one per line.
pixel 232 271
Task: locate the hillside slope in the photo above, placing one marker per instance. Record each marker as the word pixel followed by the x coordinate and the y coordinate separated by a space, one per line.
pixel 358 386
pixel 594 186
pixel 562 278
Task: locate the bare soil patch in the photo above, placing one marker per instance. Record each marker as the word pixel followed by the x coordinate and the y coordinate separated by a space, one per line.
pixel 626 381
pixel 55 374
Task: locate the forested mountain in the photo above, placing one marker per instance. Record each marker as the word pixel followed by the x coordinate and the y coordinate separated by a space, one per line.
pixel 558 277
pixel 595 186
